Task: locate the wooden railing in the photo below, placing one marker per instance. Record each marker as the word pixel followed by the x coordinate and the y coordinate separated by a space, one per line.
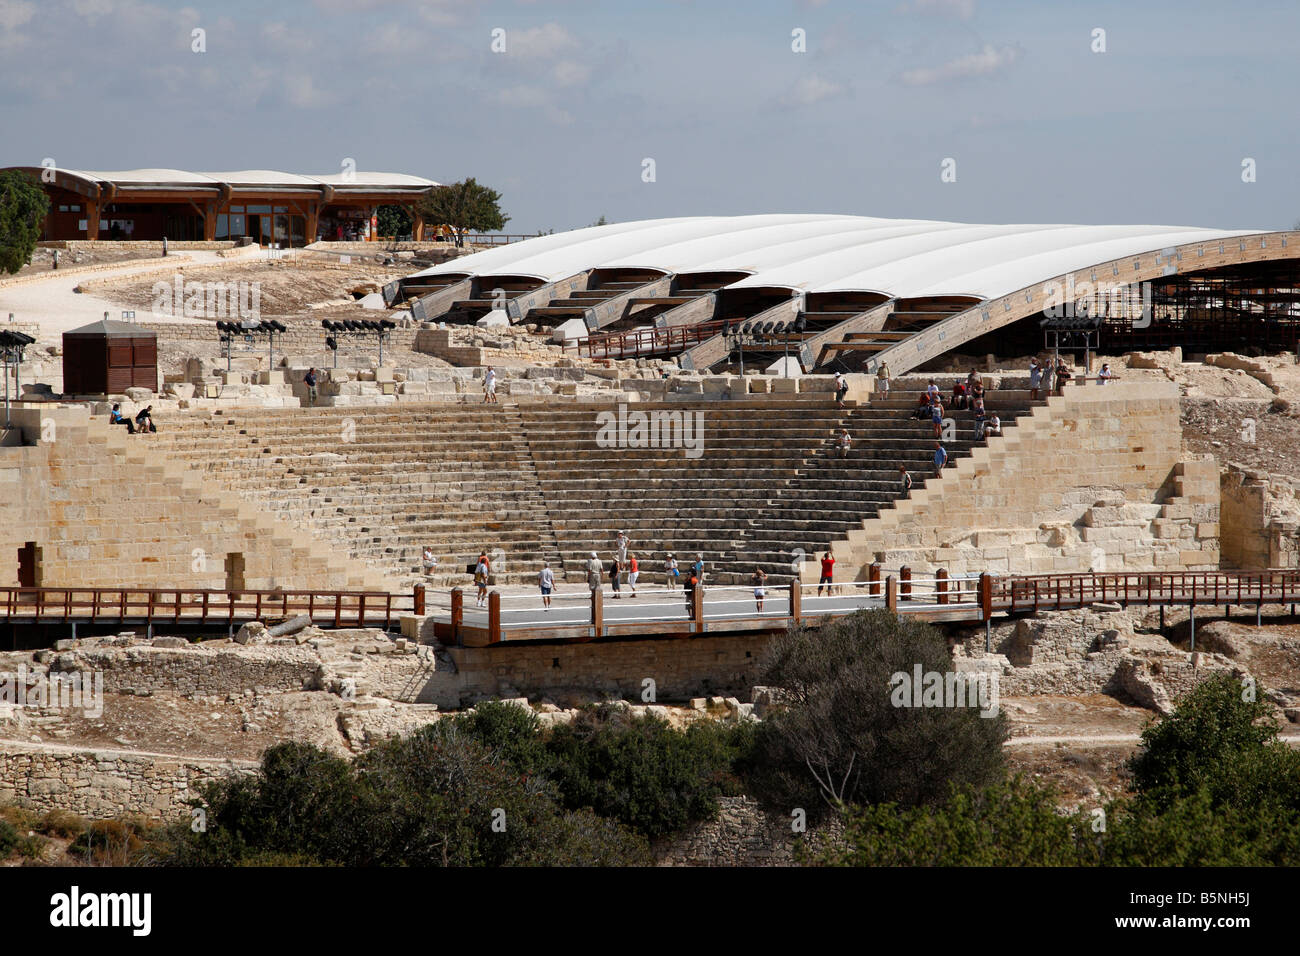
pixel 193 606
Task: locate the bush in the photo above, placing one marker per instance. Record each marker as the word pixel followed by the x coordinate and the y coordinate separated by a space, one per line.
pixel 641 771
pixel 9 838
pixel 840 739
pixel 513 733
pixel 23 205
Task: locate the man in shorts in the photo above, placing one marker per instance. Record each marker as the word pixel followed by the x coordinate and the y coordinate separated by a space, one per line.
pixel 1035 378
pixel 546 581
pixel 490 386
pixel 671 574
pixel 633 572
pixel 593 572
pixel 841 389
pixel 759 592
pixel 940 459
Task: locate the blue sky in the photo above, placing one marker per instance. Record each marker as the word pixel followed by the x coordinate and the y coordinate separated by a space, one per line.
pixel 1042 129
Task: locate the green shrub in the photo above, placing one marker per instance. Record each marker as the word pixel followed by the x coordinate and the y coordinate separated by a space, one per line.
pixel 9 837
pixel 840 739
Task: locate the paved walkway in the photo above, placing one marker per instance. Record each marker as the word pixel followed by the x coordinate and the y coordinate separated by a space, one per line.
pixel 53 304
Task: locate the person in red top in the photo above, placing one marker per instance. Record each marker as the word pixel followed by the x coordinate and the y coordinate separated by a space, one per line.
pixel 828 567
pixel 633 571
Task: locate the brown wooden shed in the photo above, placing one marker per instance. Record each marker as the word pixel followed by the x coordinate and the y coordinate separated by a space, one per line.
pixel 107 358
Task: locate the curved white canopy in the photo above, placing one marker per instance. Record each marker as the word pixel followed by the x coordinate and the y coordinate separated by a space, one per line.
pixel 904 258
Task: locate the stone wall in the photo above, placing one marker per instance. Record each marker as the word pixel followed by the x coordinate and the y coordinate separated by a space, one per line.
pixel 743 835
pixel 145 671
pixel 680 669
pixel 1093 480
pixel 1259 523
pixel 104 783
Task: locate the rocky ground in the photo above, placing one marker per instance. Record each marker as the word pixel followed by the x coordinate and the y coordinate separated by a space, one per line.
pixel 43 259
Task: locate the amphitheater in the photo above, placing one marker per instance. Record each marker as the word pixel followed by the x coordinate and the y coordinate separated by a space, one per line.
pixel 1047 550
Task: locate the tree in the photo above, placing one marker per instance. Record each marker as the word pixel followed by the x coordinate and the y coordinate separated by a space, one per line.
pixel 394 221
pixel 23 205
pixel 842 739
pixel 464 206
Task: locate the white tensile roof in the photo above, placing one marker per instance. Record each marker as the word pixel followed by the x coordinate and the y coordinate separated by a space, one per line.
pixel 904 258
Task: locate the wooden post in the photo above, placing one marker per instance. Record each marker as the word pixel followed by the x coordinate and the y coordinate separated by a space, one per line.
pixel 494 617
pixel 873 577
pixel 905 583
pixel 891 594
pixel 941 584
pixel 457 612
pixel 419 599
pixel 697 610
pixel 986 597
pixel 796 603
pixel 597 612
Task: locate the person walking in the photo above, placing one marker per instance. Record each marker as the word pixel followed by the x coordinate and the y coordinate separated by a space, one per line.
pixel 310 381
pixel 760 592
pixel 688 590
pixel 828 573
pixel 593 572
pixel 482 571
pixel 882 380
pixel 490 386
pixel 936 418
pixel 633 572
pixel 904 481
pixel 841 389
pixel 671 574
pixel 615 569
pixel 940 458
pixel 979 418
pixel 546 581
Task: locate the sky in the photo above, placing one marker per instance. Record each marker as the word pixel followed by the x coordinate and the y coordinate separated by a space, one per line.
pixel 968 110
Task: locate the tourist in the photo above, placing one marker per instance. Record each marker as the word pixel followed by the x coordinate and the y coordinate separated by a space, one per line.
pixel 972 380
pixel 1104 376
pixel 546 581
pixel 1035 378
pixel 904 481
pixel 1049 376
pixel 615 570
pixel 940 458
pixel 843 443
pixel 621 544
pixel 429 560
pixel 994 426
pixel 828 572
pixel 958 395
pixel 688 591
pixel 979 418
pixel 593 569
pixel 310 380
pixel 633 572
pixel 482 571
pixel 932 392
pixel 1063 377
pixel 698 568
pixel 922 407
pixel 757 580
pixel 115 417
pixel 841 389
pixel 490 385
pixel 671 574
pixel 976 391
pixel 882 380
pixel 936 418
pixel 144 420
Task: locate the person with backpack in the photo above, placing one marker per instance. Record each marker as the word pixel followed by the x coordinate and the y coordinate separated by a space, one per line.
pixel 615 569
pixel 671 573
pixel 482 571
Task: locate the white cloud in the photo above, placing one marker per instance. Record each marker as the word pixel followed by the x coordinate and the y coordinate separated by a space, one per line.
pixel 14 14
pixel 548 40
pixel 570 73
pixel 811 89
pixel 301 91
pixel 987 61
pixel 961 9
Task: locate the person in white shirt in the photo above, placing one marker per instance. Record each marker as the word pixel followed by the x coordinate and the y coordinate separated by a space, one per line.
pixel 994 427
pixel 490 385
pixel 621 544
pixel 671 574
pixel 844 442
pixel 429 560
pixel 546 581
pixel 593 572
pixel 1105 375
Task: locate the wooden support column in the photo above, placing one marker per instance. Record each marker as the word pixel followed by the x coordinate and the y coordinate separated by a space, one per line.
pixel 494 617
pixel 873 578
pixel 597 612
pixel 941 584
pixel 419 599
pixel 457 613
pixel 312 225
pixel 92 218
pixel 891 594
pixel 796 602
pixel 209 221
pixel 697 609
pixel 905 583
pixel 417 225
